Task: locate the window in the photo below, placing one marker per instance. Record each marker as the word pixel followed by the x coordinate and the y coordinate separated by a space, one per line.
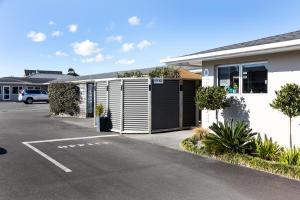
pixel 30 88
pixel 0 90
pixel 33 92
pixel 15 90
pixel 255 78
pixel 228 77
pixel 37 88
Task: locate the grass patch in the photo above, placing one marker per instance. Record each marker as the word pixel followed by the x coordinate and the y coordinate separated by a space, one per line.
pixel 246 160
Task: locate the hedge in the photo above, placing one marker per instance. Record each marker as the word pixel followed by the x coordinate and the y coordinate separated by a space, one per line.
pixel 247 161
pixel 64 98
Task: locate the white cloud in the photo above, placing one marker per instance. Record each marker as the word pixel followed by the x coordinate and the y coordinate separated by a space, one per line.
pixel 125 62
pixel 36 36
pixel 134 21
pixel 126 47
pixel 73 28
pixel 144 44
pixel 114 38
pixel 56 33
pixel 51 23
pixel 61 53
pixel 96 59
pixel 86 48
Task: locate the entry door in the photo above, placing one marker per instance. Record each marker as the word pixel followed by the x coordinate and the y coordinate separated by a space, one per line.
pixel 6 93
pixel 90 100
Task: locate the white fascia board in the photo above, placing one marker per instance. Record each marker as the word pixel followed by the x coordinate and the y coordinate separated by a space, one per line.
pixel 245 51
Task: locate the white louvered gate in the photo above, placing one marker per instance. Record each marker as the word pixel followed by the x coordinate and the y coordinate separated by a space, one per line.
pixel 114 104
pixel 135 106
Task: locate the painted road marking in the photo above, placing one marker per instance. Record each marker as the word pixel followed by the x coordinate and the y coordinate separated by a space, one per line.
pixel 82 145
pixel 53 161
pixel 61 166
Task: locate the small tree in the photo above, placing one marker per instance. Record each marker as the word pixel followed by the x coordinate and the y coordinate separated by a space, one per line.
pixel 288 102
pixel 212 98
pixel 72 72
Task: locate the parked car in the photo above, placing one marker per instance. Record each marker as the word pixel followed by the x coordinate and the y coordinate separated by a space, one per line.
pixel 30 96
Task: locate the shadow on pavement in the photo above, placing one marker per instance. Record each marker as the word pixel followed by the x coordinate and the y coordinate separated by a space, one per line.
pixel 2 151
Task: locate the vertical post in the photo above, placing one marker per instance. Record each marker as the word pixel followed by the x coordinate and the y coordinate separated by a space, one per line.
pixel 196 107
pixel 95 102
pixel 107 98
pixel 122 107
pixel 150 105
pixel 180 104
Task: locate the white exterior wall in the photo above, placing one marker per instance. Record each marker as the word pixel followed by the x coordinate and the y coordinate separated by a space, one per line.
pixel 282 68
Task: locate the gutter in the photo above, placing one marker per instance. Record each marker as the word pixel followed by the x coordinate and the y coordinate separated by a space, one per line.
pixel 277 47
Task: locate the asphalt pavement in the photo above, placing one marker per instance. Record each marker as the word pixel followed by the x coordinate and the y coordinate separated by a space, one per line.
pixel 46 158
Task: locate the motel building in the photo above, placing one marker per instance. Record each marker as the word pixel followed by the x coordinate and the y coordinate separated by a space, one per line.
pixel 251 72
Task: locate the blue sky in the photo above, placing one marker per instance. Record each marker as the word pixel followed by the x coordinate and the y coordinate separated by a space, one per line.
pixel 98 36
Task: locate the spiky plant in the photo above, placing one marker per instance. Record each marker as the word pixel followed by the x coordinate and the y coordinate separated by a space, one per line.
pixel 230 137
pixel 267 149
pixel 290 156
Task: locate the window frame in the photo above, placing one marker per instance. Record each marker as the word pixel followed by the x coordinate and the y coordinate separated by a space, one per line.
pixel 240 65
pixel 12 90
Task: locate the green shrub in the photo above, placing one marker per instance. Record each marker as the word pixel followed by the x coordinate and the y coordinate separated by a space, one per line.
pixel 212 98
pixel 246 160
pixel 129 74
pixel 64 98
pixel 166 72
pixel 290 156
pixel 267 149
pixel 99 110
pixel 288 102
pixel 230 137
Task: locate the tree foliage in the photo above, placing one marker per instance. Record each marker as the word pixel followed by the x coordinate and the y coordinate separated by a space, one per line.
pixel 287 101
pixel 129 74
pixel 72 72
pixel 166 72
pixel 211 98
pixel 64 98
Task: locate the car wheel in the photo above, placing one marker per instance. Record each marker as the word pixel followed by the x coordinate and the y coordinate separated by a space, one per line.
pixel 29 101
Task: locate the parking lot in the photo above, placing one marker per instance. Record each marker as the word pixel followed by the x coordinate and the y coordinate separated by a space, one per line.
pixel 46 158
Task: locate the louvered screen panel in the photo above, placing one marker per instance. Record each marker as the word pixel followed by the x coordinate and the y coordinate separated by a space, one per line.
pixel 115 101
pixel 82 104
pixel 135 97
pixel 102 95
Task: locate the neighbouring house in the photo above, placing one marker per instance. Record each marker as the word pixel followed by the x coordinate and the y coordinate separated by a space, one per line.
pixel 33 79
pixel 251 72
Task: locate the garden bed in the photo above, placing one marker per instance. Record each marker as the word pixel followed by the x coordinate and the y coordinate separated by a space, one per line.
pixel 246 160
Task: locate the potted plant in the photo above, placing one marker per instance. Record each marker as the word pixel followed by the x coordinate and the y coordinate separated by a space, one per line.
pixel 99 112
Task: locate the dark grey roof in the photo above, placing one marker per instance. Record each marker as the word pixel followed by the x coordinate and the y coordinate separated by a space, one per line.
pixel 25 80
pixel 268 40
pixel 29 72
pixel 51 76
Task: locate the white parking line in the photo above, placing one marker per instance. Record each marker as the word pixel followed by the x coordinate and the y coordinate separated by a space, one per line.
pixel 61 166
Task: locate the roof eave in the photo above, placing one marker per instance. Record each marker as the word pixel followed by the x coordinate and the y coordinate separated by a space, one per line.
pixel 277 47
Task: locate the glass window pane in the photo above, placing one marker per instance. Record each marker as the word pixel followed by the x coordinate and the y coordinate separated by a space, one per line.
pixel 228 77
pixel 15 90
pixel 255 79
